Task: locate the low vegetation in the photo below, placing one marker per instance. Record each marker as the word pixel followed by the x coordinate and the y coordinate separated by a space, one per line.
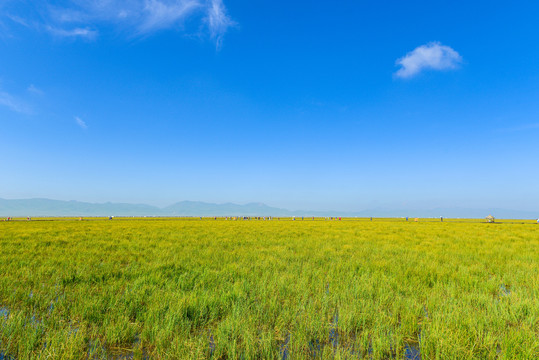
pixel 280 289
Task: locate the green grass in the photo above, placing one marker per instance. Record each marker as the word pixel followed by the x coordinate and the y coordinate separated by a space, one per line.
pixel 186 289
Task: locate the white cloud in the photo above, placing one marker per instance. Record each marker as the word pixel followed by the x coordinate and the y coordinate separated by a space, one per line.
pixel 218 21
pixel 430 56
pixel 81 123
pixel 18 20
pixel 13 103
pixel 34 90
pixel 83 18
pixel 73 33
pixel 159 15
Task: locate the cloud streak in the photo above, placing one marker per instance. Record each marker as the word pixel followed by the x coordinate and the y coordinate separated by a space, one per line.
pixel 158 15
pixel 13 103
pixel 83 19
pixel 432 56
pixel 34 90
pixel 81 123
pixel 218 21
pixel 84 33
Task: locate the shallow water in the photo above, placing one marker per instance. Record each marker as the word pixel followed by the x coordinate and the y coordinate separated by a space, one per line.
pixel 4 312
pixel 284 348
pixel 3 356
pixel 505 291
pixel 411 352
pixel 98 351
pixel 212 345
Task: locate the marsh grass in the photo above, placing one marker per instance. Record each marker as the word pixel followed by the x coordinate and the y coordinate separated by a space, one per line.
pixel 200 289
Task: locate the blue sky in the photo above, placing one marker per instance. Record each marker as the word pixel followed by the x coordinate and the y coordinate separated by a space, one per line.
pixel 345 105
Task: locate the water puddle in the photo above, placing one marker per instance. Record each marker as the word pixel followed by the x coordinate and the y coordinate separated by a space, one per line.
pixel 334 333
pixel 97 351
pixel 315 348
pixel 4 356
pixel 370 350
pixel 504 290
pixel 411 352
pixel 33 322
pixel 425 312
pixel 211 345
pixel 4 312
pixel 120 355
pixel 285 353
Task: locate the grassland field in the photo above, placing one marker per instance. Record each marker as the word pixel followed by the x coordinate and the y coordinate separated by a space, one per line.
pixel 281 289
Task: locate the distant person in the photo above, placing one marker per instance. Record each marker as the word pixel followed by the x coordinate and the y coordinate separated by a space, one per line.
pixel 441 218
pixel 407 218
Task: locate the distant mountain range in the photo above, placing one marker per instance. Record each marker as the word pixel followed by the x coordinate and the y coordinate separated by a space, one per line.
pixel 47 207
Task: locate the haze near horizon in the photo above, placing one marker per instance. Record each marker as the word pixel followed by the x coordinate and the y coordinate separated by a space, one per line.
pixel 316 106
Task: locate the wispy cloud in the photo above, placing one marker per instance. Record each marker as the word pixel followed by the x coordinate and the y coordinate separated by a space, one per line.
pixel 218 21
pixel 12 103
pixel 84 18
pixel 18 20
pixel 158 15
pixel 73 33
pixel 34 90
pixel 81 123
pixel 433 56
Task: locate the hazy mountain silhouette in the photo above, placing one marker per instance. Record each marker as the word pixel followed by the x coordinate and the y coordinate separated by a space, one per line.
pixel 47 207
